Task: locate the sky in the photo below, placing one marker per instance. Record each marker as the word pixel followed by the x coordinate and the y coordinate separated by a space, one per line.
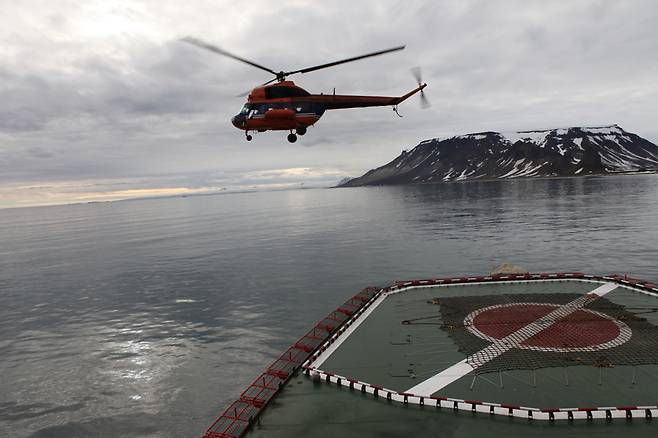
pixel 99 100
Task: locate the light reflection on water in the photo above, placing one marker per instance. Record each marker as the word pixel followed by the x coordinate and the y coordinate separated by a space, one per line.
pixel 145 318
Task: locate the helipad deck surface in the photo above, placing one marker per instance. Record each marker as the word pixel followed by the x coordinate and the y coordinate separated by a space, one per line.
pixel 406 341
pixel 481 358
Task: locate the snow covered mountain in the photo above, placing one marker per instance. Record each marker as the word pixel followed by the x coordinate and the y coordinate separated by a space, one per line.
pixel 490 155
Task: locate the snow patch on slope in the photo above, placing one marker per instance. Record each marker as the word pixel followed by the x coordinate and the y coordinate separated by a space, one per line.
pixel 537 137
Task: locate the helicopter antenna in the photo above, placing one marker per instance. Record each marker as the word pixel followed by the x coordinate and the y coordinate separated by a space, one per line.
pixel 281 75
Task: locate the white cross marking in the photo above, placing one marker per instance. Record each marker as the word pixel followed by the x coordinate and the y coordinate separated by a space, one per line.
pixel 476 360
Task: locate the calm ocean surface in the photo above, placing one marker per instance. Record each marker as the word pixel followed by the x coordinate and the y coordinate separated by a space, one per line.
pixel 146 318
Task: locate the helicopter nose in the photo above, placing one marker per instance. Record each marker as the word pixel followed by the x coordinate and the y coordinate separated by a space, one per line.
pixel 238 121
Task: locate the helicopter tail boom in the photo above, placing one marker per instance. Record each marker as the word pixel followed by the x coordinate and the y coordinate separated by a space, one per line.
pixel 411 93
pixel 337 101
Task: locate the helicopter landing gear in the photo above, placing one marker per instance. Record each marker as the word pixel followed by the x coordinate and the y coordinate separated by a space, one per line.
pixel 301 130
pixel 292 138
pixel 249 137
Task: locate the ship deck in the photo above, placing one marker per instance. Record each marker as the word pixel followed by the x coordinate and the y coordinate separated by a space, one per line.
pixel 473 356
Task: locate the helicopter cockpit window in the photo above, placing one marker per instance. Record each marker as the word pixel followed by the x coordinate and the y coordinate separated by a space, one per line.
pixel 254 110
pixel 245 109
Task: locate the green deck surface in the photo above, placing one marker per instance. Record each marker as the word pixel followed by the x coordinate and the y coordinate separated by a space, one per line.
pixel 385 352
pixel 307 409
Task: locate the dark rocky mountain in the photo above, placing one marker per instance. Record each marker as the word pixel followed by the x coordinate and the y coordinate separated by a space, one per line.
pixel 490 155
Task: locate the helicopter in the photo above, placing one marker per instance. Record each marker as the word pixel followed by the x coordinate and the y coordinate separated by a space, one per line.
pixel 280 105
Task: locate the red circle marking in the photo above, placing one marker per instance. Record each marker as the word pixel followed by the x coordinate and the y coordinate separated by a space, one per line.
pixel 582 329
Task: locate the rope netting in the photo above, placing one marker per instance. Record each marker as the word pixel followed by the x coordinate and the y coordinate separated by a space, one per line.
pixel 600 333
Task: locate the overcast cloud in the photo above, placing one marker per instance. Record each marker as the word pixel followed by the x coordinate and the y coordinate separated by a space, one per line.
pixel 98 99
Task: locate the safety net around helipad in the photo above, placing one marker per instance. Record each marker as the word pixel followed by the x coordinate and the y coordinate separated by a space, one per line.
pixel 533 331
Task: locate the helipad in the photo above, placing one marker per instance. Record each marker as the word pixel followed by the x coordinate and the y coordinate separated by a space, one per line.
pixel 580 330
pixel 540 348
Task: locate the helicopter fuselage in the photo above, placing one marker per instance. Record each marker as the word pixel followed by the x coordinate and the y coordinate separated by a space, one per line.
pixel 286 107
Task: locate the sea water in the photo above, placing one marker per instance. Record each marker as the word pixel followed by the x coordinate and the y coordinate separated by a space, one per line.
pixel 148 317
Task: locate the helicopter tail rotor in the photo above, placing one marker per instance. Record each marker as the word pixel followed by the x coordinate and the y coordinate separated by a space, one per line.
pixel 424 102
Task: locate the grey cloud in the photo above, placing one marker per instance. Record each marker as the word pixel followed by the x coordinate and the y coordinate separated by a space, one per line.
pixel 125 106
pixel 39 152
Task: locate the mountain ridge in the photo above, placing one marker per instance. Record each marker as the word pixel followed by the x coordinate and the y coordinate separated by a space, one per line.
pixel 574 151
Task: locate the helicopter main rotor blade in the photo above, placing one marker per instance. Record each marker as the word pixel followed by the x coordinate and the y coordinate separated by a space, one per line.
pixel 356 58
pixel 202 44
